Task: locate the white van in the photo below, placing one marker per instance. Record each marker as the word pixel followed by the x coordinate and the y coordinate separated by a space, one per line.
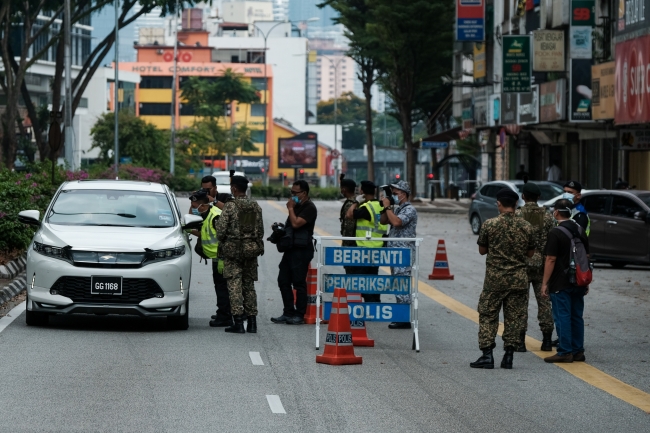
pixel 223 182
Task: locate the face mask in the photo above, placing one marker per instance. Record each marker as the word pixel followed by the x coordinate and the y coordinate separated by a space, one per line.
pixel 195 211
pixel 295 199
pixel 396 199
pixel 568 196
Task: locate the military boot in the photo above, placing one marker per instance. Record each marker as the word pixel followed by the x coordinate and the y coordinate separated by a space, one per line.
pixel 238 326
pixel 251 325
pixel 547 346
pixel 221 321
pixel 486 361
pixel 506 362
pixel 522 342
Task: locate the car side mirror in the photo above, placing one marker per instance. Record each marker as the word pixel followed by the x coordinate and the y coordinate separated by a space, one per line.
pixel 641 215
pixel 31 217
pixel 192 222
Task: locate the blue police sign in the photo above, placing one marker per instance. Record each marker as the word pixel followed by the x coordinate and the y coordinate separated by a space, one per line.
pixel 354 256
pixel 434 145
pixel 374 312
pixel 368 284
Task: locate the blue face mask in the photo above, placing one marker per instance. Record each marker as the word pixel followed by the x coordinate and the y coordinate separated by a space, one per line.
pixel 568 196
pixel 396 198
pixel 295 199
pixel 195 211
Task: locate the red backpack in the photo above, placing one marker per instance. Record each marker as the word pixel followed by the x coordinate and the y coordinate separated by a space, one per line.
pixel 580 270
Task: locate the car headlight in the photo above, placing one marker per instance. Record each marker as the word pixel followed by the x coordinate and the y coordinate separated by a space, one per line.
pixel 167 254
pixel 50 251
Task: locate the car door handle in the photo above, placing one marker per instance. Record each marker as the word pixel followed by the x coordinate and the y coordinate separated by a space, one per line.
pixel 612 222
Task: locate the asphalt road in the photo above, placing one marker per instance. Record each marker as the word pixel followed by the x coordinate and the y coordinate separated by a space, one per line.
pixel 87 373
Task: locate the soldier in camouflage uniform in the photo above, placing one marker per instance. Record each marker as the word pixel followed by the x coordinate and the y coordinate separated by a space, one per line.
pixel 542 223
pixel 348 226
pixel 508 242
pixel 240 231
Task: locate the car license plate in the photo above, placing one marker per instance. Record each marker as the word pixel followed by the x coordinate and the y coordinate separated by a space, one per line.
pixel 106 285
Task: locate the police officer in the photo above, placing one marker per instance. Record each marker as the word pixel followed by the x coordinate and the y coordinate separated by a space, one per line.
pixel 542 223
pixel 367 216
pixel 200 204
pixel 348 225
pixel 507 241
pixel 573 193
pixel 240 231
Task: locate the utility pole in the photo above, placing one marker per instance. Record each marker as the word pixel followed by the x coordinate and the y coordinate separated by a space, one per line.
pixel 116 104
pixel 174 91
pixel 67 63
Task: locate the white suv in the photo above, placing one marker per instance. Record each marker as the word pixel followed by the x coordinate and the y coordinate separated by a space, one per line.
pixel 110 247
pixel 223 182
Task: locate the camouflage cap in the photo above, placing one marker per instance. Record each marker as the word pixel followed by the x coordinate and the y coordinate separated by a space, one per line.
pixel 403 186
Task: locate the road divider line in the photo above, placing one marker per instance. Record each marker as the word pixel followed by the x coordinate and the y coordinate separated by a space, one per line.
pixel 256 359
pixel 12 315
pixel 583 371
pixel 275 404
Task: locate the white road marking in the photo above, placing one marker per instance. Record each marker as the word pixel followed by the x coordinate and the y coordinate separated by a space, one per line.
pixel 275 404
pixel 12 315
pixel 256 358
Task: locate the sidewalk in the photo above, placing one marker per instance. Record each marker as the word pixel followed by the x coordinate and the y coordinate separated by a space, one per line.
pixel 443 205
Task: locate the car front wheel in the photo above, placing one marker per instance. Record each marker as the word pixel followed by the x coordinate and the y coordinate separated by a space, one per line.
pixel 181 323
pixel 475 221
pixel 32 318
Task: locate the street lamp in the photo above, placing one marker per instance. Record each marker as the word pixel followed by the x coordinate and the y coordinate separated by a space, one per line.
pixel 265 173
pixel 335 63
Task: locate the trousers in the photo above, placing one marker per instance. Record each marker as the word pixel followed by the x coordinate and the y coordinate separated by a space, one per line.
pixel 241 277
pixel 568 306
pixel 221 290
pixel 489 305
pixel 293 276
pixel 544 309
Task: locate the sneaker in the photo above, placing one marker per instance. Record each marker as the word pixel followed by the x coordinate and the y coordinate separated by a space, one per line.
pixel 579 357
pixel 559 358
pixel 296 320
pixel 281 319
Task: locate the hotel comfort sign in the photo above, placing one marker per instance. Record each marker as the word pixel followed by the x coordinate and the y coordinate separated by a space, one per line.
pixel 201 69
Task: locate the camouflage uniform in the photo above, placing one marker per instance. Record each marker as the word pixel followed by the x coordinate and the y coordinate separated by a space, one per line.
pixel 507 239
pixel 348 229
pixel 240 220
pixel 542 223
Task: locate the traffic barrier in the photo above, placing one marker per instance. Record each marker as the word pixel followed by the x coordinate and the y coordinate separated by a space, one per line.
pixel 441 264
pixel 338 343
pixel 359 333
pixel 312 289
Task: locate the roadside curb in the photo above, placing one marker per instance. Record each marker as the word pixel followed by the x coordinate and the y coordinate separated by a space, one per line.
pixel 14 288
pixel 11 269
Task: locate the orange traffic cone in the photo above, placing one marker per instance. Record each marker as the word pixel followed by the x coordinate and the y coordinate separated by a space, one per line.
pixel 310 315
pixel 441 264
pixel 338 343
pixel 359 334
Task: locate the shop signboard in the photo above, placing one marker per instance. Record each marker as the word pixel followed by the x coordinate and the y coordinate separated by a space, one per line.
pixel 580 42
pixel 509 108
pixel 479 62
pixel 470 20
pixel 632 91
pixel 548 50
pixel 529 107
pixel 602 90
pixel 552 101
pixel 480 101
pixel 632 19
pixel 580 93
pixel 494 110
pixel 635 139
pixel 516 64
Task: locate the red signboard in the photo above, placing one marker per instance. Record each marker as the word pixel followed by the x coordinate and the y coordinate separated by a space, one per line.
pixel 633 81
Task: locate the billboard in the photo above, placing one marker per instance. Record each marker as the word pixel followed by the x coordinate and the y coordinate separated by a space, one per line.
pixel 551 101
pixel 631 19
pixel 548 50
pixel 632 139
pixel 470 20
pixel 580 93
pixel 631 90
pixel 602 89
pixel 529 106
pixel 300 151
pixel 516 64
pixel 479 62
pixel 509 108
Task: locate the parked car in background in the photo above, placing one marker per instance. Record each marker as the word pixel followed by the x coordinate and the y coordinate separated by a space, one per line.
pixel 620 225
pixel 223 182
pixel 484 201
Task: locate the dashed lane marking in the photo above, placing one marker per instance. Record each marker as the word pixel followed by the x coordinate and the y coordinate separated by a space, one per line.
pixel 581 370
pixel 12 315
pixel 275 404
pixel 256 359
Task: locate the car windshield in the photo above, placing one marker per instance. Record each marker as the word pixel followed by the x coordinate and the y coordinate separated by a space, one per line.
pixel 223 179
pixel 645 198
pixel 111 208
pixel 548 190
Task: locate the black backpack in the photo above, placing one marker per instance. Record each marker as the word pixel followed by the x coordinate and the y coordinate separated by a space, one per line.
pixel 580 270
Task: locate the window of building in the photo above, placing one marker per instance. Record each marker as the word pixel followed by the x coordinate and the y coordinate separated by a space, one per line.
pixel 147 82
pixel 155 109
pixel 259 83
pixel 258 136
pixel 184 110
pixel 258 109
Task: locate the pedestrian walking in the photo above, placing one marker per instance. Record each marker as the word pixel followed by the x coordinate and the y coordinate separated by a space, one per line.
pixel 240 231
pixel 508 242
pixel 542 223
pixel 402 217
pixel 567 299
pixel 295 262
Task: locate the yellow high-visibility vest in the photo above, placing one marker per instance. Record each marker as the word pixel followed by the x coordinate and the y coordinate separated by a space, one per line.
pixel 376 229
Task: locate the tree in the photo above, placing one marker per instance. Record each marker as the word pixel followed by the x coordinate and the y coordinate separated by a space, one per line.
pixel 417 41
pixel 351 111
pixel 145 144
pixel 365 49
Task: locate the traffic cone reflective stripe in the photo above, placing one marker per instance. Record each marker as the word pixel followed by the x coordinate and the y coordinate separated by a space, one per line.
pixel 338 341
pixel 310 314
pixel 441 264
pixel 359 331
